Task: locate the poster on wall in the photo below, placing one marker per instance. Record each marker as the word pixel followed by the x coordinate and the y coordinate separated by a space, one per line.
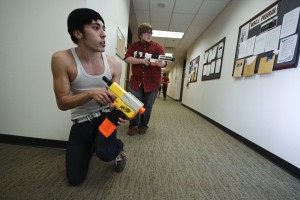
pixel 193 69
pixel 212 64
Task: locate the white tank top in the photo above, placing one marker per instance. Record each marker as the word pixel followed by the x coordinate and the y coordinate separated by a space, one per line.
pixel 85 81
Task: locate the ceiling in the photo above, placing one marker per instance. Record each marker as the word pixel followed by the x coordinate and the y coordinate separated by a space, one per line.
pixel 189 16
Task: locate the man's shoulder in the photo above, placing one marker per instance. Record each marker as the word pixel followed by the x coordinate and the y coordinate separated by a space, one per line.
pixel 62 58
pixel 114 64
pixel 62 54
pixel 112 60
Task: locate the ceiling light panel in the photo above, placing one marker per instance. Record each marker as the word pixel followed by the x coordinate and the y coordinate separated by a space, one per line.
pixel 167 34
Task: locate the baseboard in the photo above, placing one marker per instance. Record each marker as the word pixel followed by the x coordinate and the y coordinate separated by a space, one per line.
pixel 291 169
pixel 173 98
pixel 29 141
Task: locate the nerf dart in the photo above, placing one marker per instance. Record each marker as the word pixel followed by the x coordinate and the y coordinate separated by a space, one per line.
pixel 126 107
pixel 153 58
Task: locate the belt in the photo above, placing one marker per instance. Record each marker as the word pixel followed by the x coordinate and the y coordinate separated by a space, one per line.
pixel 89 117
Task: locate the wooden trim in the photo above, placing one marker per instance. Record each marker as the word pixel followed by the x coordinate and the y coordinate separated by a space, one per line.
pixel 21 140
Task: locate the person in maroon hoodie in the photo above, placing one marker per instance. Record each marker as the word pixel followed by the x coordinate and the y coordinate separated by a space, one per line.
pixel 145 80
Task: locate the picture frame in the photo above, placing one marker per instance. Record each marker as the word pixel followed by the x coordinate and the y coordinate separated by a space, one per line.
pixel 213 59
pixel 193 69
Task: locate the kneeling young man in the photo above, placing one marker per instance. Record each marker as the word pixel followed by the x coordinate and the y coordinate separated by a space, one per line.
pixel 78 86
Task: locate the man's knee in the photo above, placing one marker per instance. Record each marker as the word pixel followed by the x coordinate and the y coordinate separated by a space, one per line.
pixel 106 154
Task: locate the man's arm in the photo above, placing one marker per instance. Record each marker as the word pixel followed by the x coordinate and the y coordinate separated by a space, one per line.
pixel 60 66
pixel 145 61
pixel 132 60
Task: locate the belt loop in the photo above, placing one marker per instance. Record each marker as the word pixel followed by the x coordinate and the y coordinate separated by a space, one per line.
pixel 89 117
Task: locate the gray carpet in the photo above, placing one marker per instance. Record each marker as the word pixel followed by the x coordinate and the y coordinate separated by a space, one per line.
pixel 181 157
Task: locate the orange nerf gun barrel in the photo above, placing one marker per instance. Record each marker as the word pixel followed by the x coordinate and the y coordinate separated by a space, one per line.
pixel 126 107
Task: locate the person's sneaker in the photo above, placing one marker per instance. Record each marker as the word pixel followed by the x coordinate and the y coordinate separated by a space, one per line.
pixel 143 130
pixel 120 161
pixel 132 130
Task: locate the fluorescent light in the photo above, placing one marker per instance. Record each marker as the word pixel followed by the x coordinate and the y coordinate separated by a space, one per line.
pixel 167 34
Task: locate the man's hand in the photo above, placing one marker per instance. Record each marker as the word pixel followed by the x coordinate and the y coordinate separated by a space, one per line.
pixel 145 61
pixel 102 96
pixel 161 63
pixel 122 121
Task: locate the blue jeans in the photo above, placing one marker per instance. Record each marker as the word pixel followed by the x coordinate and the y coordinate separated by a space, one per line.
pixel 164 89
pixel 148 99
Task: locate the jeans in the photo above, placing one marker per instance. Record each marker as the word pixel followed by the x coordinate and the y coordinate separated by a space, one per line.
pixel 164 89
pixel 84 140
pixel 148 99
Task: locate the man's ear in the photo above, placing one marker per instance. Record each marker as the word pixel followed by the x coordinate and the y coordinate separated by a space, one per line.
pixel 77 34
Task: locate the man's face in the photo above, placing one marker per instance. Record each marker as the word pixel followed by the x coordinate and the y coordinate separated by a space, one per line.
pixel 94 35
pixel 147 36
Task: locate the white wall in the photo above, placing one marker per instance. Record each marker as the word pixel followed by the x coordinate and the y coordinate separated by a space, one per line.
pixel 31 32
pixel 264 109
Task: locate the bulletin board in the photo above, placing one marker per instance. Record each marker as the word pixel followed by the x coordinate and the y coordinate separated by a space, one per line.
pixel 213 58
pixel 269 41
pixel 120 50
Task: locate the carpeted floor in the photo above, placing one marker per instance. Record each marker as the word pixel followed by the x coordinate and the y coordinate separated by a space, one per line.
pixel 181 157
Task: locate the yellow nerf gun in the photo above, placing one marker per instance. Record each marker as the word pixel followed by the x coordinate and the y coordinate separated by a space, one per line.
pixel 126 107
pixel 153 57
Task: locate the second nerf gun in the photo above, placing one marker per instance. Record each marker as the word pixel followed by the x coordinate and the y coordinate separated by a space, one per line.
pixel 126 107
pixel 153 57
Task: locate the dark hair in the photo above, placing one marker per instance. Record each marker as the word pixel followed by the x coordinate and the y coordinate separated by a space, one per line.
pixel 80 17
pixel 144 28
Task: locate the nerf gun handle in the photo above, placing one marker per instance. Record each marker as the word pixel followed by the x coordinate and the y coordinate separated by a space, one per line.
pixel 109 125
pixel 126 107
pixel 107 81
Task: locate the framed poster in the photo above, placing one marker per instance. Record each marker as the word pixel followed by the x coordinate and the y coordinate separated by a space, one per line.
pixel 193 69
pixel 213 58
